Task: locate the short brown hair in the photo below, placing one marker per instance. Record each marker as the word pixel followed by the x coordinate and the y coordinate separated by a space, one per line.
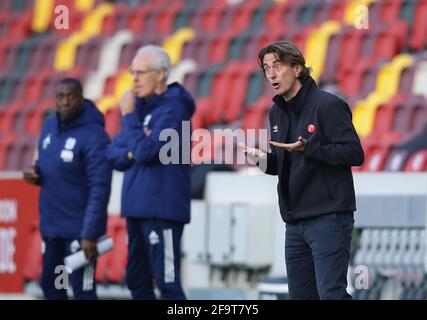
pixel 285 52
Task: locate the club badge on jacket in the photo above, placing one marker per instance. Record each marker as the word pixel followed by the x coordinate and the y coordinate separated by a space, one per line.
pixel 67 153
pixel 311 128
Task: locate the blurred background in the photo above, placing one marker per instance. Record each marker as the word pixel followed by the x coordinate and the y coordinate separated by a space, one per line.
pixel 370 53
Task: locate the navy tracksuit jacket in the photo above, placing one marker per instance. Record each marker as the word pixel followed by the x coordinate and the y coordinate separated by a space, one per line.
pixel 75 180
pixel 155 196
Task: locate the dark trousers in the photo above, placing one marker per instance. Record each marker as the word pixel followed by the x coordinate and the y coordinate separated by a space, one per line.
pixel 317 252
pixel 154 258
pixel 54 279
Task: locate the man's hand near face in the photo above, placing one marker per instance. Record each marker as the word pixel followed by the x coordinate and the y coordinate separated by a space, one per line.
pixel 127 102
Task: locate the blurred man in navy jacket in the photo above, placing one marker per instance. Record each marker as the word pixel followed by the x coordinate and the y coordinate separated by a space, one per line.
pixel 155 196
pixel 75 179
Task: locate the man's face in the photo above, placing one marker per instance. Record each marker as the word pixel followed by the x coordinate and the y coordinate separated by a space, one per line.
pixel 68 101
pixel 145 77
pixel 281 76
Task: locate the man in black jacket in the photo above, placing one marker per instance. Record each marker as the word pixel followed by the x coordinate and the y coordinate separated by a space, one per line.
pixel 314 144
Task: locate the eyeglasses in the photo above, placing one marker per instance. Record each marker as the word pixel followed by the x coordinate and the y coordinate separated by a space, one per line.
pixel 140 73
pixel 277 67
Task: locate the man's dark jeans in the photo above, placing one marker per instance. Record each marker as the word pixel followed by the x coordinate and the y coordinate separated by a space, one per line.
pixel 317 254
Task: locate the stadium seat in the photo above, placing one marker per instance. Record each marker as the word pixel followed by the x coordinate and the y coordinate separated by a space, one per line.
pixel 219 47
pixel 43 54
pixel 238 17
pixel 117 266
pixel 209 17
pixel 20 26
pixel 407 11
pixel 406 79
pixel 234 77
pixel 112 121
pixel 385 115
pixel 112 21
pixel 187 18
pixel 33 261
pixel 376 154
pixel 174 44
pixel 350 47
pixel 417 162
pixel 255 116
pixel 204 80
pixel 164 21
pixel 419 80
pixel 138 18
pixel 254 41
pixel 20 154
pixel 330 74
pixel 197 49
pixel 390 10
pixel 255 86
pixel 396 160
pixel 418 40
pixel 104 261
pixel 282 15
pixel 411 116
pixel 351 81
pixel 233 108
pixel 306 12
pixel 88 54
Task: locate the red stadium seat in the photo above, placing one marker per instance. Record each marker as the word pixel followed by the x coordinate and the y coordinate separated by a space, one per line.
pixel 138 18
pixel 282 15
pixel 88 53
pixel 219 47
pixel 411 116
pixel 164 21
pixel 112 121
pixel 419 28
pixel 111 22
pixel 385 114
pixel 238 17
pixel 417 162
pixel 117 267
pixel 255 117
pixel 396 160
pixel 390 10
pixel 104 261
pixel 330 74
pixel 350 47
pixel 239 83
pixel 211 17
pixel 33 261
pixel 19 155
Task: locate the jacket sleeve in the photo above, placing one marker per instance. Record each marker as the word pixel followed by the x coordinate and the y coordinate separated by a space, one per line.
pixel 98 175
pixel 117 153
pixel 337 143
pixel 271 166
pixel 146 148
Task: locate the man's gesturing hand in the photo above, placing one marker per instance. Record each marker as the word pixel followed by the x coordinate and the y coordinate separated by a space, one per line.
pixel 252 153
pixel 299 145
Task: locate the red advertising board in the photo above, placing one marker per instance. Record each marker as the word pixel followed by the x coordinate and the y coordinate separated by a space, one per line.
pixel 18 211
